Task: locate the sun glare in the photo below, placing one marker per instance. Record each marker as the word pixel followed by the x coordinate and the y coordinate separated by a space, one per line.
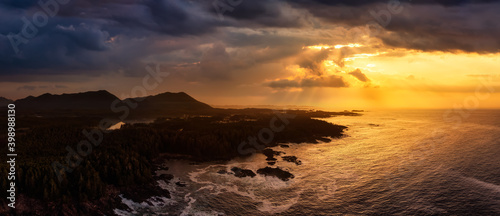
pixel 338 46
pixel 348 45
pixel 318 47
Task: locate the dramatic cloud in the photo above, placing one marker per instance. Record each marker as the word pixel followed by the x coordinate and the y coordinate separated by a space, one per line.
pixel 448 26
pixel 258 13
pixel 95 37
pixel 26 87
pixel 359 75
pixel 328 81
pixel 235 45
pixel 314 62
pixel 365 2
pixel 470 29
pixel 215 63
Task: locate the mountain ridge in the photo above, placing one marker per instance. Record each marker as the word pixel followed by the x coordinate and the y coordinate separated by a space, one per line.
pixel 90 100
pixel 102 100
pixel 5 101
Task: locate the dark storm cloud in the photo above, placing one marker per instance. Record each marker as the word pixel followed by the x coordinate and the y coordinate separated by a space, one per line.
pixel 365 2
pixel 111 35
pixel 470 29
pixel 18 3
pixel 359 75
pixel 168 17
pixel 451 26
pixel 92 37
pixel 56 47
pixel 332 81
pixel 256 13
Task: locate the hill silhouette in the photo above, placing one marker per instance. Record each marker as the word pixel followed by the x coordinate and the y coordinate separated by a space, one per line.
pixel 100 102
pixel 4 101
pixel 93 100
pixel 124 162
pixel 169 103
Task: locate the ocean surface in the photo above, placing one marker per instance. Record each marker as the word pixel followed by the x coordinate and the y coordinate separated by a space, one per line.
pixel 412 162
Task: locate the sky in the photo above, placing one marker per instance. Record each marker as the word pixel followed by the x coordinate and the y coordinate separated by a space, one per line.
pixel 339 54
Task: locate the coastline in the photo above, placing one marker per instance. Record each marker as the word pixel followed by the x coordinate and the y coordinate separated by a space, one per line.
pixel 302 129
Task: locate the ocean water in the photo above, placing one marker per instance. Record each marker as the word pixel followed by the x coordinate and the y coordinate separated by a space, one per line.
pixel 412 162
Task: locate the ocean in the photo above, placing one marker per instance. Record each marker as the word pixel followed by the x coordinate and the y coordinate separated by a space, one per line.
pixel 398 162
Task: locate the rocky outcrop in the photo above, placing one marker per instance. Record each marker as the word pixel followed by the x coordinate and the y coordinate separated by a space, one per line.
pixel 276 172
pixel 165 177
pixel 271 153
pixel 240 173
pixel 324 139
pixel 180 184
pixel 292 159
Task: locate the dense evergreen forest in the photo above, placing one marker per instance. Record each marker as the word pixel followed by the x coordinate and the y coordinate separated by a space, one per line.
pixel 124 157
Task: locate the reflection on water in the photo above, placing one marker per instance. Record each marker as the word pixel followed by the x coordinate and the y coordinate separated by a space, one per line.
pixel 119 124
pixel 405 162
pixel 116 126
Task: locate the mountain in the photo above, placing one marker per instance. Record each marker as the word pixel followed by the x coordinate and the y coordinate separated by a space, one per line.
pixel 4 101
pixel 168 103
pixel 99 102
pixel 92 100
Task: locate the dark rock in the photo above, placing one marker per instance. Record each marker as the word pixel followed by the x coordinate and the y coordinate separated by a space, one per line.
pixel 276 172
pixel 270 154
pixel 240 173
pixel 292 159
pixel 222 172
pixel 271 159
pixel 180 184
pixel 324 139
pixel 141 193
pixel 271 162
pixel 166 177
pixel 284 146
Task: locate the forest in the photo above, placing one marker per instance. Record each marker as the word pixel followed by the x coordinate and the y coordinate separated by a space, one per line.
pixel 125 156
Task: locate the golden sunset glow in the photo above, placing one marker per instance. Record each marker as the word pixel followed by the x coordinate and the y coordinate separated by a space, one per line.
pixel 348 45
pixel 318 47
pixel 319 59
pixel 338 46
pixel 399 78
pixel 265 107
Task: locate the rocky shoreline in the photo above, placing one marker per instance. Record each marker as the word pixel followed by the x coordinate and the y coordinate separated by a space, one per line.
pixel 151 193
pixel 145 194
